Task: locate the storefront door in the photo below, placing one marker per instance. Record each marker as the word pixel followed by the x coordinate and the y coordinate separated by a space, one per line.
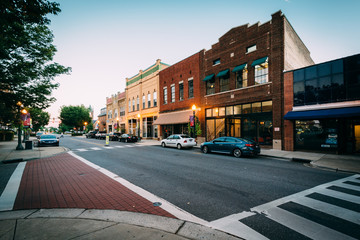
pixel 357 137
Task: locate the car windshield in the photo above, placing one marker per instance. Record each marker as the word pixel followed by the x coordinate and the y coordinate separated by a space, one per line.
pixel 48 137
pixel 39 133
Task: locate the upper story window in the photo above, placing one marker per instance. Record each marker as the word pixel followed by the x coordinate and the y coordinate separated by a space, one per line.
pixel 261 70
pixel 224 80
pixel 137 103
pixel 165 95
pixel 216 61
pixel 250 49
pixel 181 90
pixel 133 104
pixel 191 88
pixel 149 100
pixel 109 114
pixel 173 93
pixel 115 113
pixel 143 101
pixel 122 111
pixel 155 98
pixel 210 84
pixel 241 76
pixel 129 105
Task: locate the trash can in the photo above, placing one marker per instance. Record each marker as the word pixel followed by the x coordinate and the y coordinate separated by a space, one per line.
pixel 28 144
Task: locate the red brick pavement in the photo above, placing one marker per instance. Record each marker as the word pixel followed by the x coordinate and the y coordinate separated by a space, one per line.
pixel 62 181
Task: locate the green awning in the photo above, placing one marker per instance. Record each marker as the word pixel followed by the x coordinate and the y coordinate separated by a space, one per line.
pixel 259 61
pixel 209 77
pixel 223 73
pixel 239 68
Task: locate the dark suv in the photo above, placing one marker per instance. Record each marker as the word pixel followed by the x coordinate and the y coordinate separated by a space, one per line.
pixel 91 134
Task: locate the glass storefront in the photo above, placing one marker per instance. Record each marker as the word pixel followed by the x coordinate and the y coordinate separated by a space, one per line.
pixel 251 120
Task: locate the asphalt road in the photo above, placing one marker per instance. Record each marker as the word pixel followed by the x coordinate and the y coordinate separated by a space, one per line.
pixel 209 186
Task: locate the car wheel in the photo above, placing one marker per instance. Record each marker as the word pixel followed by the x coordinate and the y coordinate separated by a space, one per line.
pixel 237 153
pixel 179 146
pixel 205 149
pixel 163 144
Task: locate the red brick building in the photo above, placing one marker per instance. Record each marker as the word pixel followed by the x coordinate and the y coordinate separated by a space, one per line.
pixel 242 81
pixel 179 87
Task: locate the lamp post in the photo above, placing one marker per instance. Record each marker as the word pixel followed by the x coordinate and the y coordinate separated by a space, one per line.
pixel 138 125
pixel 85 124
pixel 194 108
pixel 117 124
pixel 19 146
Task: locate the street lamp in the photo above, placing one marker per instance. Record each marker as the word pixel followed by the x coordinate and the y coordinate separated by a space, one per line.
pixel 85 124
pixel 138 125
pixel 19 146
pixel 117 124
pixel 194 108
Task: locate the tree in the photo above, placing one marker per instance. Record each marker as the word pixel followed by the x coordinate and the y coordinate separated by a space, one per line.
pixel 39 118
pixel 75 116
pixel 27 70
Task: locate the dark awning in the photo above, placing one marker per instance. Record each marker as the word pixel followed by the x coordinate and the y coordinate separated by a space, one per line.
pixel 223 73
pixel 324 113
pixel 259 61
pixel 209 77
pixel 239 68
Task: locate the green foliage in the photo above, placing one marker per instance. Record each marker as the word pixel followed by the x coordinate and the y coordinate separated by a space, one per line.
pixel 89 127
pixel 197 128
pixel 27 70
pixel 39 118
pixel 75 116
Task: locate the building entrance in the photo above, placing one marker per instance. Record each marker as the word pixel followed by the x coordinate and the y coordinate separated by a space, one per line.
pixel 357 138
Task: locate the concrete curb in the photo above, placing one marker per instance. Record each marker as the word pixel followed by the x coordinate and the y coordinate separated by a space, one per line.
pixel 146 222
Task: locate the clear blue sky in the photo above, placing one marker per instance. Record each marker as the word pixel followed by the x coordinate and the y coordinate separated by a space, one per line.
pixel 106 41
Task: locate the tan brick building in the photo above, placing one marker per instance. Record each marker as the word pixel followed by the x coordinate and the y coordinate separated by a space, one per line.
pixel 115 113
pixel 142 107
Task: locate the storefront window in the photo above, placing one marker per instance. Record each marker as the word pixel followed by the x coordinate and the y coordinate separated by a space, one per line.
pixel 209 112
pixel 256 107
pixel 237 109
pixel 316 135
pixel 221 111
pixel 220 127
pixel 229 110
pixel 246 108
pixel 210 129
pixel 267 106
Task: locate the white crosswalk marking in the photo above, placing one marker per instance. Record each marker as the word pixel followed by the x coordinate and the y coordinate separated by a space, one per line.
pixel 307 227
pixel 108 147
pixel 95 148
pixel 336 211
pixel 304 226
pixel 82 150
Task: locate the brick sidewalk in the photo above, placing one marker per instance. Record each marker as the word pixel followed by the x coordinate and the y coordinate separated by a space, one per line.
pixel 62 181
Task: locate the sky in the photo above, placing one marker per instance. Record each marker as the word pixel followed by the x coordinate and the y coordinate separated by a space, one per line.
pixel 107 41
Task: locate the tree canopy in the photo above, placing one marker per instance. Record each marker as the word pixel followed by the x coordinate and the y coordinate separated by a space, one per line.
pixel 27 70
pixel 39 118
pixel 75 116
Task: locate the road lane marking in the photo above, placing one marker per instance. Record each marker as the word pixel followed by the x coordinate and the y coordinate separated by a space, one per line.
pixel 9 194
pixel 81 150
pixel 95 148
pixel 167 206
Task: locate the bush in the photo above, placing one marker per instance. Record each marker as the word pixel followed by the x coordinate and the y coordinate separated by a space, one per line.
pixel 6 135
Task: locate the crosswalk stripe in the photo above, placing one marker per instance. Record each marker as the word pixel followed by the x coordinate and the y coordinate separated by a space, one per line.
pixel 108 147
pixel 129 146
pixel 95 148
pixel 239 229
pixel 306 227
pixel 340 195
pixel 119 146
pixel 329 209
pixel 349 186
pixel 82 150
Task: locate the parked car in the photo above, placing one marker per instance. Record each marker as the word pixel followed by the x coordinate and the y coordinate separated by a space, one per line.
pixel 100 135
pixel 235 146
pixel 38 134
pixel 91 134
pixel 179 141
pixel 114 136
pixel 48 140
pixel 128 138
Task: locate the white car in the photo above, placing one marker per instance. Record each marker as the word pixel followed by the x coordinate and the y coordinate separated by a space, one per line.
pixel 179 141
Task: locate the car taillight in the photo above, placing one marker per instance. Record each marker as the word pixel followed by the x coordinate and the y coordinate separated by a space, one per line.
pixel 250 145
pixel 185 141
